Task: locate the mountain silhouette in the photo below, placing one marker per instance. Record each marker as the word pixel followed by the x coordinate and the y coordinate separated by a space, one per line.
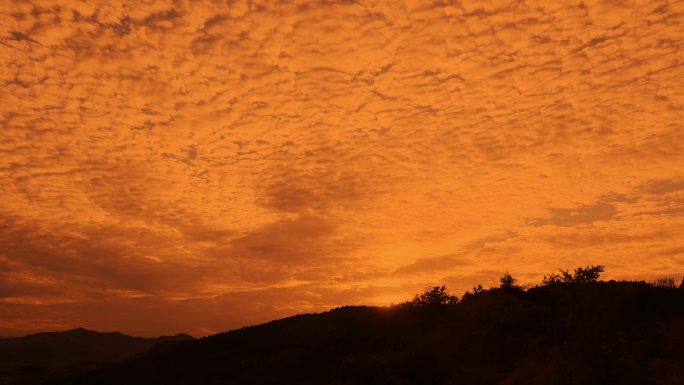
pixel 560 333
pixel 33 357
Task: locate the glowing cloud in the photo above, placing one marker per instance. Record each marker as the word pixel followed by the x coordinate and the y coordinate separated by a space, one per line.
pixel 231 162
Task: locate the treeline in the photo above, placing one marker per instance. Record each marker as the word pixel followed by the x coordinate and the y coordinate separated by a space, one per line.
pixel 440 295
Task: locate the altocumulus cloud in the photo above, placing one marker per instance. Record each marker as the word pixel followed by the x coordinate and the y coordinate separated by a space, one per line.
pixel 198 157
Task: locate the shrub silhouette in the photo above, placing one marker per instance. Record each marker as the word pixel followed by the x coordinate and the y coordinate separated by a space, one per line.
pixel 436 295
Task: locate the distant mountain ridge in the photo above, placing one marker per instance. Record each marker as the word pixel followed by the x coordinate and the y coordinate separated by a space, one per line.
pixel 22 358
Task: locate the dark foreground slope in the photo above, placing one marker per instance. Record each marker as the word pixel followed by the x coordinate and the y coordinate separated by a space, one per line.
pixel 593 333
pixel 30 358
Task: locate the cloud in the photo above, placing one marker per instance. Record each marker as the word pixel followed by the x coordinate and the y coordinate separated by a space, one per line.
pixel 196 149
pixel 439 263
pixel 598 237
pixel 447 263
pixel 604 209
pixel 317 191
pixel 301 249
pixel 283 239
pixel 664 186
pixel 584 214
pixel 93 261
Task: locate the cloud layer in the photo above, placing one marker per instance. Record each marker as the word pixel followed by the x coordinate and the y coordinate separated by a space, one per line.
pixel 231 162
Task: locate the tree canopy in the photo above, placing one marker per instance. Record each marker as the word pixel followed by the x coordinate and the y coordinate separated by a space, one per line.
pixel 436 295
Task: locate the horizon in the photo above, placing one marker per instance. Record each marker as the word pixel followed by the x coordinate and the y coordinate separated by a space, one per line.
pixel 522 285
pixel 198 166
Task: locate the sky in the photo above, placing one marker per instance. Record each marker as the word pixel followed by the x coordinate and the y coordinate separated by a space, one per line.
pixel 197 166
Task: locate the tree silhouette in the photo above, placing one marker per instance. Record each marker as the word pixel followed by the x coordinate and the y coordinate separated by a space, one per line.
pixel 587 274
pixel 508 282
pixel 590 273
pixel 436 295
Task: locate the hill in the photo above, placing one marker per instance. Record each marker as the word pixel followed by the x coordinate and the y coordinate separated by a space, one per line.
pixel 560 333
pixel 43 355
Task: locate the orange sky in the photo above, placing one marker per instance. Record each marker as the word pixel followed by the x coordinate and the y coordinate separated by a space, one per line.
pixel 197 166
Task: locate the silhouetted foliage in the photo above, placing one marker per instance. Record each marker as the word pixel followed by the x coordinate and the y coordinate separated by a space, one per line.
pixel 665 282
pixel 587 274
pixel 436 295
pixel 476 291
pixel 590 273
pixel 551 279
pixel 508 282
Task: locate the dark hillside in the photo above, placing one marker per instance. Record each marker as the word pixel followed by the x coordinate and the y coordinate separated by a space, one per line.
pixel 561 333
